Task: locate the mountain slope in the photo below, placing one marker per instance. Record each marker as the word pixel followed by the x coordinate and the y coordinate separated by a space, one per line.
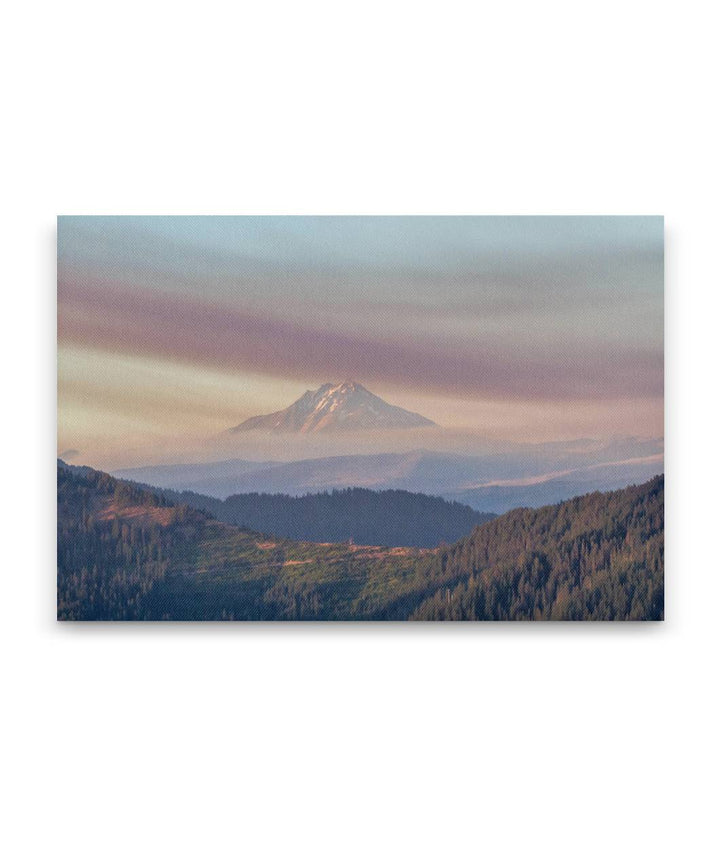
pixel 597 557
pixel 128 554
pixel 345 406
pixel 115 544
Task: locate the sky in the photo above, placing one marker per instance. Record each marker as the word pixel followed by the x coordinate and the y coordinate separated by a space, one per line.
pixel 173 329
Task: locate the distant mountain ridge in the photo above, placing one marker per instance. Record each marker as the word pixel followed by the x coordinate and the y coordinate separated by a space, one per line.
pixel 542 474
pixel 346 406
pixel 391 518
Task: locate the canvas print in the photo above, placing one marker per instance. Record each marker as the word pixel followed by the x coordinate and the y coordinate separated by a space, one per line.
pixel 360 419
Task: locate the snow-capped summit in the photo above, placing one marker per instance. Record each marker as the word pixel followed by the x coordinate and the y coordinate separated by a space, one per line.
pixel 346 406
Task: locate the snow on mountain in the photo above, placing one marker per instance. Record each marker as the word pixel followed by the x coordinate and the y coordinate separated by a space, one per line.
pixel 344 406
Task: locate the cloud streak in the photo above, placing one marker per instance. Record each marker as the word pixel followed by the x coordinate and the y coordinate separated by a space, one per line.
pixel 126 319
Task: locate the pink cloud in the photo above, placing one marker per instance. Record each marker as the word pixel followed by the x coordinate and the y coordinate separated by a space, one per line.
pixel 126 319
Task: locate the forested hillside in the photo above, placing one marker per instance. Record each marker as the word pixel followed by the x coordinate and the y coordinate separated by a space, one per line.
pixel 596 557
pixel 125 553
pixel 115 543
pixel 393 518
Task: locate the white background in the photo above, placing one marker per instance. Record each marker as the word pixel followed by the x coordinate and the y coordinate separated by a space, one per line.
pixel 359 739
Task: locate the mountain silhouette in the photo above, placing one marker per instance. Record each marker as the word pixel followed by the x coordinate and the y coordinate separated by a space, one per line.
pixel 344 406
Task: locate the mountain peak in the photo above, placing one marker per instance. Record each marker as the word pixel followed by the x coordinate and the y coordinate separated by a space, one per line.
pixel 345 406
pixel 345 386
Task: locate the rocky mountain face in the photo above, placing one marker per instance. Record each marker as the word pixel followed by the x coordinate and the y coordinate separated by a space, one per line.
pixel 345 406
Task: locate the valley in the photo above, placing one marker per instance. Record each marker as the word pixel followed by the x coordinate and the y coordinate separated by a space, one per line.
pixel 128 554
